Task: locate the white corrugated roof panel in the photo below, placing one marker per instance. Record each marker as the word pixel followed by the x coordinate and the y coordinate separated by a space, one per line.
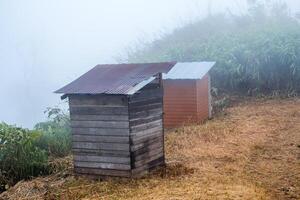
pixel 189 70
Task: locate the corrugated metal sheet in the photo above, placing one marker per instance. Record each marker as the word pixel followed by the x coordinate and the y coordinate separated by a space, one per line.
pixel 189 70
pixel 180 102
pixel 185 101
pixel 203 104
pixel 116 78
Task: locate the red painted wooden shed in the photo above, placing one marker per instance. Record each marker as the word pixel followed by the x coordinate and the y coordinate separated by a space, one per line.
pixel 187 97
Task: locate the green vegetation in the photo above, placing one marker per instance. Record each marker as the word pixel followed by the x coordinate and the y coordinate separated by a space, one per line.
pixel 24 153
pixel 20 157
pixel 256 53
pixel 56 133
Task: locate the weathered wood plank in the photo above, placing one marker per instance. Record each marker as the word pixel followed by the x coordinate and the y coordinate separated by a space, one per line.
pixel 148 154
pixel 147 148
pixel 98 110
pixel 98 152
pixel 101 165
pixel 147 160
pixel 146 132
pixel 100 131
pixel 158 141
pixel 142 139
pixel 144 120
pixel 149 125
pixel 102 159
pixel 145 107
pixel 146 102
pixel 100 99
pixel 99 117
pixel 102 172
pixel 101 146
pixel 99 124
pixel 104 139
pixel 145 113
pixel 149 166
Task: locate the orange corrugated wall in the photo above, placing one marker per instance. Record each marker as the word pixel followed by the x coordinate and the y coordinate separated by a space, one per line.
pixel 185 101
pixel 203 104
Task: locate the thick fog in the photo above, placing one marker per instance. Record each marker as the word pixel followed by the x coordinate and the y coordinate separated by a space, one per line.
pixel 46 44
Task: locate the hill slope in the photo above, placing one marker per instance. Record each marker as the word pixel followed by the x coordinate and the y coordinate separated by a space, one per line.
pixel 249 152
pixel 257 52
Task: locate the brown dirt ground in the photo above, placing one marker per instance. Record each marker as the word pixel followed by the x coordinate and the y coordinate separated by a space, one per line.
pixel 252 151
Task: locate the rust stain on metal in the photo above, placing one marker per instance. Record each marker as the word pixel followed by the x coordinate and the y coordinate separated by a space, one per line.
pixel 115 78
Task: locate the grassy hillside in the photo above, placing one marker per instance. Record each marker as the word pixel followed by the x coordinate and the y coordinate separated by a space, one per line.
pixel 249 152
pixel 257 52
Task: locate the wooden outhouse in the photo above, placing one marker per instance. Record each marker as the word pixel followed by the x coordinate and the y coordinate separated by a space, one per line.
pixel 116 114
pixel 187 97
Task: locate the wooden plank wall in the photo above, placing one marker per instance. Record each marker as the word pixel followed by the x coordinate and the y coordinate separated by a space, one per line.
pixel 100 134
pixel 146 129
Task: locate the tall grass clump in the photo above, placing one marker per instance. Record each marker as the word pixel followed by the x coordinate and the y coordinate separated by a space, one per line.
pixel 26 153
pixel 56 137
pixel 20 157
pixel 258 52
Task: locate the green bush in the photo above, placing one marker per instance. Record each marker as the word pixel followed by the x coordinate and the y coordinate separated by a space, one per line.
pixel 24 153
pixel 258 52
pixel 56 137
pixel 20 158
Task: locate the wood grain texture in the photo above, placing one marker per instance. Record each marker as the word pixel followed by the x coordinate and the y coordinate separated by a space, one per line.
pixel 114 134
pixel 142 127
pixel 149 101
pixel 144 120
pixel 100 99
pixel 101 146
pixel 142 139
pixel 147 131
pixel 149 166
pixel 101 165
pixel 100 131
pixel 100 124
pixel 104 139
pixel 147 148
pixel 98 110
pixel 145 113
pixel 145 107
pixel 157 141
pixel 102 172
pixel 149 154
pixel 99 152
pixel 99 117
pixel 147 160
pixel 102 159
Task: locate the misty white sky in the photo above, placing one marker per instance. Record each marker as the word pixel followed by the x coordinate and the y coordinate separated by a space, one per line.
pixel 45 44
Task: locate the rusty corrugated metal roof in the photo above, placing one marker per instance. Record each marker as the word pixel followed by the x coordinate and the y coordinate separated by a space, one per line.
pixel 115 78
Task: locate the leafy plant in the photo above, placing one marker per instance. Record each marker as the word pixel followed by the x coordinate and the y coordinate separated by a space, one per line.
pixel 24 153
pixel 20 158
pixel 56 137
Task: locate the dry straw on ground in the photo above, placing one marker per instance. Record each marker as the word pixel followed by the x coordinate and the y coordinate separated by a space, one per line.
pixel 252 151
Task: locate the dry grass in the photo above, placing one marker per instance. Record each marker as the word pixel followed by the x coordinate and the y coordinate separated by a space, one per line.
pixel 250 152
